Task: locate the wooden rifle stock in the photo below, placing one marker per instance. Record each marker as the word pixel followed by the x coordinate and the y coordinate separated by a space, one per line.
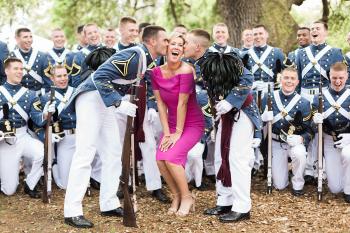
pixel 47 166
pixel 269 144
pixel 129 217
pixel 320 146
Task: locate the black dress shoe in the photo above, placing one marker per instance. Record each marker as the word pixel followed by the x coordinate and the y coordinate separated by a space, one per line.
pixel 297 193
pixel 347 197
pixel 79 222
pixel 118 212
pixel 234 216
pixel 32 193
pixel 160 196
pixel 95 184
pixel 309 180
pixel 217 210
pixel 203 187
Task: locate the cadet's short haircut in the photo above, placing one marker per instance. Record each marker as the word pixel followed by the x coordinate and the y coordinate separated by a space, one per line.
pixel 339 66
pixel 291 68
pixel 127 19
pixel 203 34
pixel 303 28
pixel 322 22
pixel 220 25
pixel 151 32
pixel 143 25
pixel 56 67
pixel 89 25
pixel 20 30
pixel 10 60
pixel 57 29
pixel 110 30
pixel 260 26
pixel 180 26
pixel 80 28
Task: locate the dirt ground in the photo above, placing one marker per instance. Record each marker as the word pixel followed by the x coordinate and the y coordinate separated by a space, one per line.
pixel 279 212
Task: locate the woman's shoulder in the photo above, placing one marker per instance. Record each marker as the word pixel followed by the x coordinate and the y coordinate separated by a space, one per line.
pixel 186 68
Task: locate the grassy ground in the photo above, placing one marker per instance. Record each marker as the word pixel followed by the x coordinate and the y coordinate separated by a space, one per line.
pixel 279 212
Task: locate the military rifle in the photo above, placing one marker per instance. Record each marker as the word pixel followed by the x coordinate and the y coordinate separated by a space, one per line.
pixel 48 154
pixel 269 143
pixel 129 217
pixel 320 146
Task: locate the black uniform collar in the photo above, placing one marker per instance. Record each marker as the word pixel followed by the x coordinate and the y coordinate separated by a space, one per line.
pixel 148 54
pixel 219 47
pixel 245 49
pixel 26 53
pixel 9 86
pixel 122 46
pixel 287 97
pixel 258 48
pixel 93 47
pixel 62 91
pixel 58 51
pixel 318 47
pixel 79 47
pixel 333 92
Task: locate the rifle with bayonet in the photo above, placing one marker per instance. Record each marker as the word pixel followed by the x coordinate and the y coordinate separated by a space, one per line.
pixel 47 166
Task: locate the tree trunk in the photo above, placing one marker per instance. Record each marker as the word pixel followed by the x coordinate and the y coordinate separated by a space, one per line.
pixel 274 14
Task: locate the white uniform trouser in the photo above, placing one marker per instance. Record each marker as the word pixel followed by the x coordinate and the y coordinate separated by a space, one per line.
pixel 96 168
pixel 241 159
pixel 194 164
pixel 209 162
pixel 97 131
pixel 280 154
pixel 337 166
pixel 65 151
pixel 148 150
pixel 10 156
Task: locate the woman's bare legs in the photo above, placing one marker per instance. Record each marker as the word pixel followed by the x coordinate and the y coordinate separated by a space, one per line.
pixel 171 184
pixel 179 176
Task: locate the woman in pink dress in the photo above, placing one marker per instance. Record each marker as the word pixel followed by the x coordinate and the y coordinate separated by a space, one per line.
pixel 182 121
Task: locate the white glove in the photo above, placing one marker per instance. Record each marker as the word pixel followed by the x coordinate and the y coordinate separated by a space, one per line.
pixel 294 140
pixel 318 118
pixel 127 108
pixel 259 85
pixel 152 115
pixel 2 135
pixel 267 116
pixel 344 141
pixel 223 107
pixel 56 138
pixel 126 97
pixel 49 107
pixel 256 142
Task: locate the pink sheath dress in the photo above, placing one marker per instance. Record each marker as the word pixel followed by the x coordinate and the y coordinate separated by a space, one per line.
pixel 169 89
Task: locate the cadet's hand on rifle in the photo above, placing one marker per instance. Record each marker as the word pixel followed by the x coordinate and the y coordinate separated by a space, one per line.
pixel 152 115
pixel 2 135
pixel 49 108
pixel 259 85
pixel 127 108
pixel 344 141
pixel 223 107
pixel 56 138
pixel 256 142
pixel 294 140
pixel 267 116
pixel 318 118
